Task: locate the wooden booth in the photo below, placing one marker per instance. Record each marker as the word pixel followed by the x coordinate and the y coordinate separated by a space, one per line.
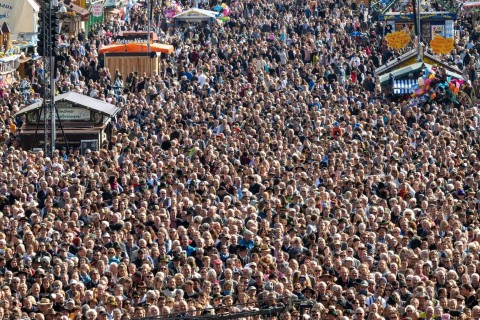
pixel 83 119
pixel 130 62
pixel 130 57
pixel 73 21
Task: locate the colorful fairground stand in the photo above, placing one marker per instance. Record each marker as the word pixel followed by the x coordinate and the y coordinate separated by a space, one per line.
pixel 408 79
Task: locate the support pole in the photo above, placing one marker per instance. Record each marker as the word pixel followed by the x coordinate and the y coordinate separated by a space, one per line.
pixel 52 106
pixel 419 30
pixel 149 18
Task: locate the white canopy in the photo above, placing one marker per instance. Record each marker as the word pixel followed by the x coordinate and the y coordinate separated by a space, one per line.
pixel 20 15
pixel 196 15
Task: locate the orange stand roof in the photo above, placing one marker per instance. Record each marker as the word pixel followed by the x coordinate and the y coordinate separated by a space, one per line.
pixel 137 47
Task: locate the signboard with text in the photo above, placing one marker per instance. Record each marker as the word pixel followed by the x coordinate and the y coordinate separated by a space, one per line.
pixel 67 112
pixel 135 37
pixel 97 9
pixel 124 40
pixel 423 16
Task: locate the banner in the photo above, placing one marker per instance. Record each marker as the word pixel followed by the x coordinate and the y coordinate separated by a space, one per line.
pixel 97 9
pixel 397 40
pixel 441 45
pixel 449 29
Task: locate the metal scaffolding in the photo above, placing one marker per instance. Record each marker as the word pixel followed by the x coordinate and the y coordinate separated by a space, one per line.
pixel 48 32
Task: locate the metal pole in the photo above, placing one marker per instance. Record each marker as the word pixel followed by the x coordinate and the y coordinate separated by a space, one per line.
pixel 419 28
pixel 52 107
pixel 149 18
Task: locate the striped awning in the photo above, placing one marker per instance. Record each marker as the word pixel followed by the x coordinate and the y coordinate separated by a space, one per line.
pixel 403 86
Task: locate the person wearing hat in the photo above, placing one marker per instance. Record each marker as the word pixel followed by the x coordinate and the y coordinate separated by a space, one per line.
pixel 44 305
pixel 252 291
pixel 221 309
pixel 224 241
pixel 332 313
pixel 243 255
pixel 265 250
pixel 308 293
pixel 382 231
pixel 102 314
pixel 106 239
pixel 174 265
pixel 50 314
pixel 111 304
pixel 217 299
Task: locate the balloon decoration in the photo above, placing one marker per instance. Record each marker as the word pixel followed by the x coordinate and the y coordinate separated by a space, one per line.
pixel 429 87
pixel 441 45
pixel 397 40
pixel 223 13
pixel 173 9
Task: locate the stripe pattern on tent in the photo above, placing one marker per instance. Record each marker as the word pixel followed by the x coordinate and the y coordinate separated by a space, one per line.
pixel 403 86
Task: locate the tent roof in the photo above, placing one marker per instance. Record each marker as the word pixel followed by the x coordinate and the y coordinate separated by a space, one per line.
pixel 79 99
pixel 137 47
pixel 196 14
pixel 392 66
pixel 412 68
pixel 78 10
pixel 35 5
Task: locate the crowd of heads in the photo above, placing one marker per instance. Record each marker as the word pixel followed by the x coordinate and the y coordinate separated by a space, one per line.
pixel 264 168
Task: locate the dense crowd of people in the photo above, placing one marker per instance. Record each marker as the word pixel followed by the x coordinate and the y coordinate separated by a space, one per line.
pixel 263 169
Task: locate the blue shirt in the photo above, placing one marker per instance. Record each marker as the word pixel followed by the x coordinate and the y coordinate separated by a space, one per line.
pixel 247 243
pixel 190 250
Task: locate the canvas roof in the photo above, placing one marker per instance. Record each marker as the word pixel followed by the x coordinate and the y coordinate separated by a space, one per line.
pixel 78 99
pixel 196 14
pixel 412 68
